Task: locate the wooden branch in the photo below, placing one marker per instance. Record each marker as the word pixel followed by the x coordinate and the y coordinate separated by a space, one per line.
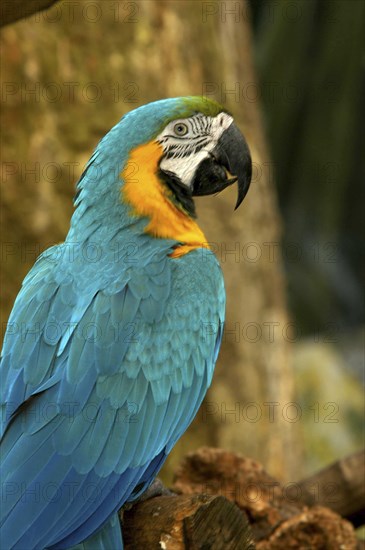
pixel 340 487
pixel 13 10
pixel 316 528
pixel 229 501
pixel 277 514
pixel 186 522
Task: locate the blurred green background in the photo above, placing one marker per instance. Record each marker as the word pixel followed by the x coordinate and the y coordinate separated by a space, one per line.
pixel 310 60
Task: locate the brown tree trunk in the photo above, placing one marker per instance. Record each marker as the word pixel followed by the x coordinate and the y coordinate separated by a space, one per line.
pixel 69 75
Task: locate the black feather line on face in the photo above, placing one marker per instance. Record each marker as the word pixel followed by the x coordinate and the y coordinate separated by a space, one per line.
pixel 183 150
pixel 181 195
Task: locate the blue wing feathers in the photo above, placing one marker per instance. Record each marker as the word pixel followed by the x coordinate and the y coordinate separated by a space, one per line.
pixel 107 537
pixel 42 494
pixel 111 389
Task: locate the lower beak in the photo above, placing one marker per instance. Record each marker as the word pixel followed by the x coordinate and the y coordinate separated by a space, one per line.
pixel 228 163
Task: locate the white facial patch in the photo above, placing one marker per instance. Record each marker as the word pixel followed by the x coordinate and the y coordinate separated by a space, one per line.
pixel 188 141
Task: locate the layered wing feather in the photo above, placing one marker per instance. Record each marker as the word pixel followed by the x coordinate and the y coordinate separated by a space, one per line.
pixel 99 380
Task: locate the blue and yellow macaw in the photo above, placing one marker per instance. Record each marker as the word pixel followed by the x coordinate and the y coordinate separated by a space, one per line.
pixel 112 341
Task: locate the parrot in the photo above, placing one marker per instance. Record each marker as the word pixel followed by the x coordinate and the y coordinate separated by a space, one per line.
pixel 112 340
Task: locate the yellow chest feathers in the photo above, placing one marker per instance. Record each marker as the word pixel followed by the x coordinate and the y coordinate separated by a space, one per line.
pixel 149 197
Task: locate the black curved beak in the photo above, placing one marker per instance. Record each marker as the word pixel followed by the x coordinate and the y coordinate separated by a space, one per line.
pixel 228 163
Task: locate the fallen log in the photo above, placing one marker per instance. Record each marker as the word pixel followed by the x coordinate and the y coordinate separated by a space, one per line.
pixel 227 501
pixel 180 522
pixel 340 487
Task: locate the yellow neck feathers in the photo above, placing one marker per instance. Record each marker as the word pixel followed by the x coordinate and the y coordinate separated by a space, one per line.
pixel 149 197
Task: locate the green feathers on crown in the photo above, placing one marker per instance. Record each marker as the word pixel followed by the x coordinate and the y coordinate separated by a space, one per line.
pixel 190 105
pixel 208 107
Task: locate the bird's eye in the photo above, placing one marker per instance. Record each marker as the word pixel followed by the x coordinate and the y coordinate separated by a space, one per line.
pixel 180 129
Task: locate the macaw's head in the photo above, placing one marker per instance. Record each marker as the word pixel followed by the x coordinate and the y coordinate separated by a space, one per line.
pixel 165 153
pixel 203 151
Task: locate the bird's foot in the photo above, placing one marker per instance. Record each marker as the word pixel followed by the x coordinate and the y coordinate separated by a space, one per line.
pixel 156 489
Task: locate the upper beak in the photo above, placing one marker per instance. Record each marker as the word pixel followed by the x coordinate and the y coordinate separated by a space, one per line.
pixel 230 161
